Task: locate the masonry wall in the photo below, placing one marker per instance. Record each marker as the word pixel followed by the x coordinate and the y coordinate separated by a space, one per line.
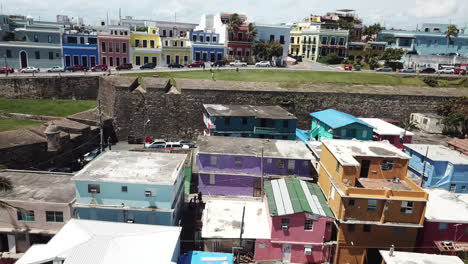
pixel 50 87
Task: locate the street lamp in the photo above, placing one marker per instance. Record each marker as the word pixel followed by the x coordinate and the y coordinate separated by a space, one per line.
pixel 144 129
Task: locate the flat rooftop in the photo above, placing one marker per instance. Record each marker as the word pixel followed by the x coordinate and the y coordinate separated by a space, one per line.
pixel 345 150
pixel 439 153
pixel 384 184
pixel 222 218
pixel 400 257
pixel 445 206
pixel 38 186
pixel 271 112
pixel 133 167
pixel 272 148
pixel 384 128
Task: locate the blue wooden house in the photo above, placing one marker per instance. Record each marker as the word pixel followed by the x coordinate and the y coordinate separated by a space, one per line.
pixel 80 49
pixel 206 46
pixel 271 122
pixel 131 187
pixel 331 124
pixel 439 166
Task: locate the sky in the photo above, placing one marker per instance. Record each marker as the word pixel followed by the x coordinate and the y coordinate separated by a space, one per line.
pixel 402 14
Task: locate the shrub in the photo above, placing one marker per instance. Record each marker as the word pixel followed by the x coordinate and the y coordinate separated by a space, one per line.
pixel 431 81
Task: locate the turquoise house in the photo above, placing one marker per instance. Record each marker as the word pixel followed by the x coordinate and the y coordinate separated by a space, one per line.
pixel 331 124
pixel 131 187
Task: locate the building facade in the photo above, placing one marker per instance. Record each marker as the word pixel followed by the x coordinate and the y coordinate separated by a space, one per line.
pixel 383 130
pixel 146 47
pixel 304 41
pixel 111 189
pixel 439 167
pixel 114 45
pixel 362 50
pixel 330 123
pixel 333 41
pixel 278 33
pixel 80 49
pixel 236 166
pixel 176 44
pixel 44 201
pixel 369 193
pixel 301 224
pixel 431 123
pixel 239 43
pixel 249 121
pixel 206 47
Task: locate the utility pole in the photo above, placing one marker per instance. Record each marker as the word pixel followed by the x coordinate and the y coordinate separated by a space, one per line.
pixel 101 126
pixel 424 166
pixel 261 169
pixel 240 235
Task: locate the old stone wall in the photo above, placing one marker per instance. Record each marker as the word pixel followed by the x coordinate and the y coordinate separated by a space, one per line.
pixel 50 87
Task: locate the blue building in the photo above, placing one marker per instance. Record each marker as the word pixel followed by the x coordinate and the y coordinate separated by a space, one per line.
pixel 249 121
pixel 201 257
pixel 206 46
pixel 429 40
pixel 268 33
pixel 80 49
pixel 133 187
pixel 331 124
pixel 440 166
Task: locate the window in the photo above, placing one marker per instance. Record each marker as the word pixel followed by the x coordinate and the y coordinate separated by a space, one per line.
pixel 175 43
pixel 372 205
pixel 324 40
pixel 261 245
pixel 103 46
pixel 227 121
pixel 152 44
pixel 148 193
pixel 351 228
pixel 292 40
pixel 215 39
pixel 194 37
pixel 36 38
pixel 145 59
pixel 238 162
pixel 207 39
pixel 285 123
pixel 239 36
pixel 111 61
pixel 8 53
pixel 124 47
pixel 351 202
pixel 51 55
pixel 104 60
pixel 269 161
pixel 38 55
pixel 443 226
pixel 164 33
pixel 308 225
pixel 54 216
pixel 272 38
pixel 366 228
pixel 387 165
pixel 279 164
pixel 137 60
pixel 137 43
pixel 244 121
pixel 406 207
pixel 94 188
pixel 284 223
pixel 463 188
pixel 307 250
pixel 281 40
pixel 117 47
pixel 212 179
pixel 124 189
pixel 291 165
pixel 337 166
pixel 453 187
pixel 213 160
pixel 145 43
pixel 181 43
pixel 351 133
pixel 25 216
pixel 92 41
pixel 364 134
pixel 111 44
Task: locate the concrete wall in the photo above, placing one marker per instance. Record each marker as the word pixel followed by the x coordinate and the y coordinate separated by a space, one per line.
pixel 65 87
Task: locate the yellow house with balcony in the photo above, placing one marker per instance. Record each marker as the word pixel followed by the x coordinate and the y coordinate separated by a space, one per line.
pixel 176 50
pixel 146 47
pixel 305 40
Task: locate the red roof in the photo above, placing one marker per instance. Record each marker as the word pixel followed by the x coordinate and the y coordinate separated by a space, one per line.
pixel 460 145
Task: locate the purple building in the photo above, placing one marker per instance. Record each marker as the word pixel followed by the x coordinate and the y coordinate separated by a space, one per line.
pixel 231 166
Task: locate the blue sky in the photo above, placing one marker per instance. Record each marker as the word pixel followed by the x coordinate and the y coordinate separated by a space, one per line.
pixel 404 14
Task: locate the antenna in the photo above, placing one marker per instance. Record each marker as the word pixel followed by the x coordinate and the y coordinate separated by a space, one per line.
pixel 107 18
pixel 120 16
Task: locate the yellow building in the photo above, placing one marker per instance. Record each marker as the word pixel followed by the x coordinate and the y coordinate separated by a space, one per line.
pixel 146 47
pixel 305 40
pixel 375 205
pixel 176 50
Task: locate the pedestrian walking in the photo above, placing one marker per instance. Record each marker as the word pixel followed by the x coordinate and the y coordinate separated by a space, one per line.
pixel 212 76
pixel 203 65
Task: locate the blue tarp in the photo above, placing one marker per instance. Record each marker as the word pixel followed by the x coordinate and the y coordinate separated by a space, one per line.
pixel 336 119
pixel 200 257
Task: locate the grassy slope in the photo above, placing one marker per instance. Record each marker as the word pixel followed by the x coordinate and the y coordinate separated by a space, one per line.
pixel 13 123
pixel 287 76
pixel 45 106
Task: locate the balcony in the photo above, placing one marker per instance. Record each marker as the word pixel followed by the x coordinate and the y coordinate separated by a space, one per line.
pixel 268 131
pixel 383 188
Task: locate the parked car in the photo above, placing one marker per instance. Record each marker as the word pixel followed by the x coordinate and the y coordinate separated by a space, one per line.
pixel 56 69
pixel 409 70
pixel 187 143
pixel 172 145
pixel 459 71
pixel 101 67
pixel 76 68
pixel 446 71
pixel 219 63
pixel 91 155
pixel 30 70
pixel 196 64
pixel 157 143
pixel 384 69
pixel 238 63
pixel 7 69
pixel 428 70
pixel 125 66
pixel 175 65
pixel 348 67
pixel 263 64
pixel 148 66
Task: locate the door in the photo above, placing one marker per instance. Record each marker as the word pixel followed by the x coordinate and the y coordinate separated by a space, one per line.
pixel 197 56
pixel 93 61
pixel 67 61
pixel 257 191
pixel 365 165
pixel 177 59
pixel 286 253
pixel 154 60
pixel 84 61
pixel 168 59
pixel 117 61
pixel 205 56
pixel 23 59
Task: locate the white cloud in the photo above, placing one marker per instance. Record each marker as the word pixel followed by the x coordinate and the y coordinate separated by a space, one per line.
pixel 435 8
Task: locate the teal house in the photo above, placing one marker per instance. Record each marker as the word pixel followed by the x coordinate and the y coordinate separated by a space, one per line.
pixel 331 124
pixel 131 187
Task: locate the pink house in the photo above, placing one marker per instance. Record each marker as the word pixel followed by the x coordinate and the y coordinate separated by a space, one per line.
pixel 114 46
pixel 301 224
pixel 387 131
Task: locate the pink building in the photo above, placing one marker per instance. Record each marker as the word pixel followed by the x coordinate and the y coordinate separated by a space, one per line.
pixel 301 224
pixel 387 131
pixel 114 46
pixel 446 222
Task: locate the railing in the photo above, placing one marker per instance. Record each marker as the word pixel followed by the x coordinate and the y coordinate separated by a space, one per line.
pixel 268 131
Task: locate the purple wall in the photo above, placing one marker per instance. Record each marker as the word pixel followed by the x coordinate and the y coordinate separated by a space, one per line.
pixel 229 185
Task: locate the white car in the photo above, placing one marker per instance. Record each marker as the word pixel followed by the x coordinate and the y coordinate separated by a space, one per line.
pixel 446 71
pixel 263 64
pixel 238 63
pixel 56 69
pixel 30 70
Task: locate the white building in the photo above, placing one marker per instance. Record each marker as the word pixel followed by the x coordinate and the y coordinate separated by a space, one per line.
pixel 400 257
pixel 428 122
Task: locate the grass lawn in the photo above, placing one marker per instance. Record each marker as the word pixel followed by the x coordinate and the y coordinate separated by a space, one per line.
pixel 290 77
pixel 13 123
pixel 45 106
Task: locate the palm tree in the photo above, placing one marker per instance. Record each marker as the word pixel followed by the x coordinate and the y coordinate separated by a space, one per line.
pixel 252 31
pixel 452 31
pixel 5 186
pixel 234 22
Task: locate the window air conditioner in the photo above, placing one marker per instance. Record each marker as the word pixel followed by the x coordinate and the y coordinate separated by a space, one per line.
pixel 284 227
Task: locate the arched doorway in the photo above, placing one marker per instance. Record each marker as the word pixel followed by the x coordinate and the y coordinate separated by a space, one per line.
pixel 23 59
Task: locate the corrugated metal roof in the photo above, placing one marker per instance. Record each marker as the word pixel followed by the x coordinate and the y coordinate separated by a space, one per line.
pixel 200 257
pixel 336 119
pixel 292 196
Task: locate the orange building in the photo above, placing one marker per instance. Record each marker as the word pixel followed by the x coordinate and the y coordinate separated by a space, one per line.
pixel 374 203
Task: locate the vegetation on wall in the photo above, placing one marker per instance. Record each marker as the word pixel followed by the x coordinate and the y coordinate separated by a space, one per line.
pixel 455 113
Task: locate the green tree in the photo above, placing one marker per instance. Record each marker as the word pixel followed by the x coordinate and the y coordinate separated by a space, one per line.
pixel 267 50
pixel 371 31
pixel 5 186
pixel 252 32
pixel 234 22
pixel 331 58
pixel 452 31
pixel 391 54
pixel 455 113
